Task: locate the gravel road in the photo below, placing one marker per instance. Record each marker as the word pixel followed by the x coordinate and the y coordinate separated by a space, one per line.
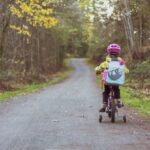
pixel 65 117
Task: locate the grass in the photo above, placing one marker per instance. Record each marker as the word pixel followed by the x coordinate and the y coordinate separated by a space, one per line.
pixel 132 99
pixel 58 77
pixel 136 93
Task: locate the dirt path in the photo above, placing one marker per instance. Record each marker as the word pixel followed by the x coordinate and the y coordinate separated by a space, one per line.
pixel 65 117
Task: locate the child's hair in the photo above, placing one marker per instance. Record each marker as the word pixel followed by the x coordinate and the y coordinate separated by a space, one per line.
pixel 113 55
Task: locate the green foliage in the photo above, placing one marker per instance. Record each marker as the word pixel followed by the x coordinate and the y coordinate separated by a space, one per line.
pixel 139 77
pixel 34 13
pixel 141 70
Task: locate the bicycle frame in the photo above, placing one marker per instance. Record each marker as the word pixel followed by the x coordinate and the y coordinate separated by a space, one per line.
pixel 111 108
pixel 110 98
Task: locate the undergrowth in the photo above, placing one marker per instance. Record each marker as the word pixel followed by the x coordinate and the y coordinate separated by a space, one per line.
pixel 34 87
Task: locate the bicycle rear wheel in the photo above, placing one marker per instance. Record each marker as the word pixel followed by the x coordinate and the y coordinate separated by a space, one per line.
pixel 113 111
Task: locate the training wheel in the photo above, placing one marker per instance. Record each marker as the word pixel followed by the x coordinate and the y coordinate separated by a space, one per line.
pixel 100 118
pixel 124 119
pixel 109 114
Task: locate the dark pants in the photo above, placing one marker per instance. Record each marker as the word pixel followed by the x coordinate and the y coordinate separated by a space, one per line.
pixel 107 91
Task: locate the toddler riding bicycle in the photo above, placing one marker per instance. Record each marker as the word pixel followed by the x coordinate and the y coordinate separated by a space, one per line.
pixel 113 71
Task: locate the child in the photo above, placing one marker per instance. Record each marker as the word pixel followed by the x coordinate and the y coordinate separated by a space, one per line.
pixel 113 51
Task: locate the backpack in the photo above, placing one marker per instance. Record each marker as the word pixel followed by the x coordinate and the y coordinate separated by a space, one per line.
pixel 115 73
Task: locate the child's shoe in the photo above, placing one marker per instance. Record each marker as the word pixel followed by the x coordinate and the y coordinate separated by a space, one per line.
pixel 103 108
pixel 119 103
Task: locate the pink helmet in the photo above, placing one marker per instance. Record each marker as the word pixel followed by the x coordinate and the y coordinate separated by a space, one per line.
pixel 113 49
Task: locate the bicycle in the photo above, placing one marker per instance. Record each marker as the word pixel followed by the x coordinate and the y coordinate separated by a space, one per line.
pixel 112 107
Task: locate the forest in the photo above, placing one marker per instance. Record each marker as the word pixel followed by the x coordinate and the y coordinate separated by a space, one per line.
pixel 37 35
